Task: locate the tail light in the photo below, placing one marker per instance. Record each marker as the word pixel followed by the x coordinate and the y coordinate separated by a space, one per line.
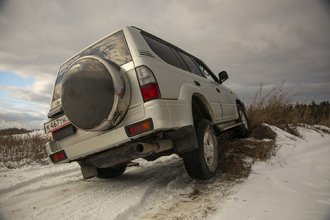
pixel 58 156
pixel 148 84
pixel 139 127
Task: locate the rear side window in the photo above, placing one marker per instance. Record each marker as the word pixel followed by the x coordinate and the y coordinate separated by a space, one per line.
pixel 172 55
pixel 191 64
pixel 163 51
pixel 183 64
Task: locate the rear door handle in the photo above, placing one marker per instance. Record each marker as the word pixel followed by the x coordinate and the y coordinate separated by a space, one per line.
pixel 197 83
pixel 218 90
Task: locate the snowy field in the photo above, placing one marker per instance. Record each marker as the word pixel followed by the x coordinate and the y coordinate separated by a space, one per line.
pixel 294 184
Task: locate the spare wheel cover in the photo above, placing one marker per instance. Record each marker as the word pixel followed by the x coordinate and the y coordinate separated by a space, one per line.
pixel 94 93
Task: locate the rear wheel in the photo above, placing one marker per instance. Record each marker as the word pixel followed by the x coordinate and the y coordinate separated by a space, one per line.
pixel 202 163
pixel 111 172
pixel 243 130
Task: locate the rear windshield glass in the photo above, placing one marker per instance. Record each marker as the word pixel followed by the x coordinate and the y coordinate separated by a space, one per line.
pixel 112 48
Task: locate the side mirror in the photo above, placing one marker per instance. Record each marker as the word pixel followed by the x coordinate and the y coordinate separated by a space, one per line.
pixel 223 76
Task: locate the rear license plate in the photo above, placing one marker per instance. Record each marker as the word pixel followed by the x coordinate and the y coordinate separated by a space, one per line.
pixel 56 124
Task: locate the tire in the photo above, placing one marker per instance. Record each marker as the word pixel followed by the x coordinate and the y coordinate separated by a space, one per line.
pixel 111 172
pixel 244 129
pixel 202 163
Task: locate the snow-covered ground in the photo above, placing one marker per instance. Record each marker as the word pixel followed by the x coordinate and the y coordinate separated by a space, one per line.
pixel 294 184
pixel 40 132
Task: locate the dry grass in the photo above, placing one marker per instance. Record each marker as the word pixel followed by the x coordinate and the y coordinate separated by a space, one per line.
pixel 11 131
pixel 314 114
pixel 16 151
pixel 273 108
pixel 238 155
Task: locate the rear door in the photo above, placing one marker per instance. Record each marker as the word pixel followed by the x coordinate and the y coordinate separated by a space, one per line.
pixel 209 88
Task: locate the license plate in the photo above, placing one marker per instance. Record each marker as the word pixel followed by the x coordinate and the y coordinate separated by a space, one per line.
pixel 56 124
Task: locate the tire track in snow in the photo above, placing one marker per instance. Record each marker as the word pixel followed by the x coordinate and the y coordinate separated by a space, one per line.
pixel 68 179
pixel 34 180
pixel 64 194
pixel 153 193
pixel 150 190
pixel 133 189
pixel 198 203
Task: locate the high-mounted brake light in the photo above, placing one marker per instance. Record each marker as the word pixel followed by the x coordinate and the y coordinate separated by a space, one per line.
pixel 148 84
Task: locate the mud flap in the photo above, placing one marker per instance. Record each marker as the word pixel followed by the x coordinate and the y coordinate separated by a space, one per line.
pixel 184 139
pixel 88 171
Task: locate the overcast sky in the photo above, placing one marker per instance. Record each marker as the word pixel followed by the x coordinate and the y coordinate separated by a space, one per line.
pixel 255 41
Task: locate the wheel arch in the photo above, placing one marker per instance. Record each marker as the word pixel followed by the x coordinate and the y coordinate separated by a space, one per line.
pixel 200 108
pixel 239 102
pixel 191 94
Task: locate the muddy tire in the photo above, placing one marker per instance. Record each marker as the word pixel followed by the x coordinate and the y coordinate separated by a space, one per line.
pixel 202 163
pixel 111 172
pixel 244 129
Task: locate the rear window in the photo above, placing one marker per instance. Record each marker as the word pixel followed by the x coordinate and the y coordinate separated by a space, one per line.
pixel 113 48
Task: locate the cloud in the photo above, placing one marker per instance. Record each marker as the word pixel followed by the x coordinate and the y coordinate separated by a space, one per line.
pixel 256 41
pixel 35 94
pixel 19 119
pixel 14 117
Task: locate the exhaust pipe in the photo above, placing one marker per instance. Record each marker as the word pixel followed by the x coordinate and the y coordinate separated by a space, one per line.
pixel 163 145
pixel 126 153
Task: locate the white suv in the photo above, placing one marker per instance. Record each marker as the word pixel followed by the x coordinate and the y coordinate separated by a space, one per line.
pixel 133 95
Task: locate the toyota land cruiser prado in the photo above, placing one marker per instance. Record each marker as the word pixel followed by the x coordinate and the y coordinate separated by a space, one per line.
pixel 133 95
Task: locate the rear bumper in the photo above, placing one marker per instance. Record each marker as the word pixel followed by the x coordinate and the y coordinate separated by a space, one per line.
pixel 178 141
pixel 166 115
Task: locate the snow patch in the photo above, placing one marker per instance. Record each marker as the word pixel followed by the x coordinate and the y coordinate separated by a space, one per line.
pixel 31 134
pixel 294 184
